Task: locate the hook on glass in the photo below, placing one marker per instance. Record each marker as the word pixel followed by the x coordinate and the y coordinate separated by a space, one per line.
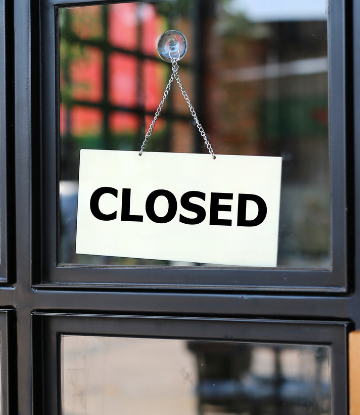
pixel 172 45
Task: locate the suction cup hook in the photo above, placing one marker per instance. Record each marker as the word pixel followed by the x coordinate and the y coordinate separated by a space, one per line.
pixel 172 45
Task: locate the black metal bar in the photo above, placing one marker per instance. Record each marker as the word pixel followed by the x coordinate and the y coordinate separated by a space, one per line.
pixel 25 362
pixel 139 110
pixel 23 142
pixel 204 304
pixel 275 280
pixel 76 3
pixel 203 15
pixel 72 37
pixel 355 308
pixel 8 364
pixel 338 138
pixel 105 80
pixel 77 289
pixel 69 298
pixel 3 142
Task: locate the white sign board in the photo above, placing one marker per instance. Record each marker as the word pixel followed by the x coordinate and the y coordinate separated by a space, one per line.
pixel 179 207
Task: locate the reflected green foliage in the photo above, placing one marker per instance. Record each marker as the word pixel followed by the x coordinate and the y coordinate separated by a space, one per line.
pixel 237 24
pixel 175 8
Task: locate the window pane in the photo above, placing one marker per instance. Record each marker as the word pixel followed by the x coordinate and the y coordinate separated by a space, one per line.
pixel 258 79
pixel 109 375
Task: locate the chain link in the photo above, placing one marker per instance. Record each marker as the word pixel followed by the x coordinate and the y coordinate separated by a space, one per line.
pixel 176 77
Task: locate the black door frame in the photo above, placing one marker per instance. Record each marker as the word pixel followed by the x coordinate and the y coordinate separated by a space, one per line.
pixel 27 296
pixel 6 151
pixel 193 278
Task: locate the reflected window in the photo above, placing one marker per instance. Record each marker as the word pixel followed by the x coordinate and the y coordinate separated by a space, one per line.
pixel 110 375
pixel 259 79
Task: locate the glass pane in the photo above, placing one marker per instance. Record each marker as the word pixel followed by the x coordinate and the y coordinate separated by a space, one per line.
pixel 122 82
pixel 258 79
pixel 155 76
pixel 110 375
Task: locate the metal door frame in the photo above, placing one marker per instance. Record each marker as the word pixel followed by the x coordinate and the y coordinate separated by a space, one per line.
pixel 193 278
pixel 30 297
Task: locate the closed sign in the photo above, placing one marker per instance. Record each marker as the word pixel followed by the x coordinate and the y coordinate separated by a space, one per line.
pixel 179 207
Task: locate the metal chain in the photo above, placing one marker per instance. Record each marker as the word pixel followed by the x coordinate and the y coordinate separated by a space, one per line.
pixel 157 113
pixel 175 76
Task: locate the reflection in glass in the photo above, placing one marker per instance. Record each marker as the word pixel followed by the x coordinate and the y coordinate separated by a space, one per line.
pixel 258 78
pixel 133 376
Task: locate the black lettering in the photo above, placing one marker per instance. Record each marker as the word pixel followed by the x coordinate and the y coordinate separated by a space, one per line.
pixel 192 207
pixel 94 203
pixel 243 198
pixel 125 209
pixel 150 206
pixel 215 208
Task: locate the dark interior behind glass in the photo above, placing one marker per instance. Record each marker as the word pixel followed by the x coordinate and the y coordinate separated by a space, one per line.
pixel 134 376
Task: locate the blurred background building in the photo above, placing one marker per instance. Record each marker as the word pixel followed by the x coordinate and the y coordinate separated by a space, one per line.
pixel 257 75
